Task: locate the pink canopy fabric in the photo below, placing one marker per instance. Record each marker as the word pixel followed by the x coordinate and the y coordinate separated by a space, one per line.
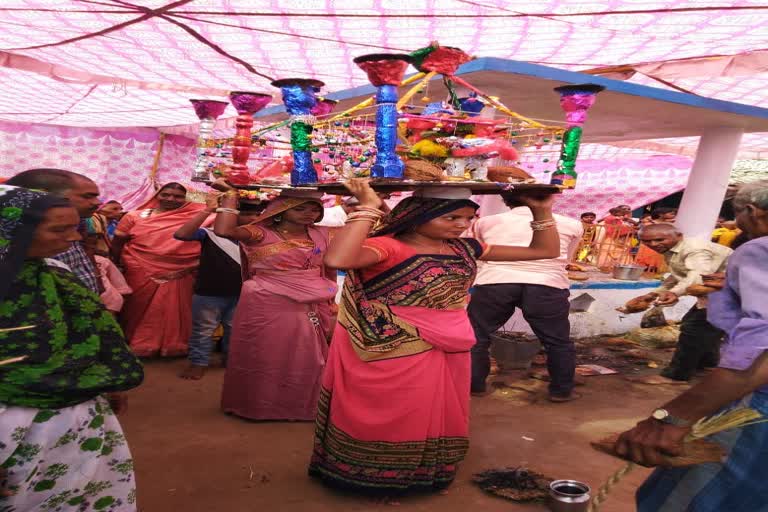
pixel 122 71
pixel 122 63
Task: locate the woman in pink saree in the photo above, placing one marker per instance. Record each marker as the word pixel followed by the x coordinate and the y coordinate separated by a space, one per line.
pixel 394 407
pixel 157 317
pixel 280 330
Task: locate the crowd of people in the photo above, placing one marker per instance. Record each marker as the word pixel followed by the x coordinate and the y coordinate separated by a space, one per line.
pixel 172 273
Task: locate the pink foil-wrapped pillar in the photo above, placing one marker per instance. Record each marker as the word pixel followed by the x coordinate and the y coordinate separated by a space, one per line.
pixel 575 100
pixel 323 107
pixel 207 111
pixel 246 104
pixel 385 71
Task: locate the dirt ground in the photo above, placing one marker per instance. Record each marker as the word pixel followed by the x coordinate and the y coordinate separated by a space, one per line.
pixel 190 457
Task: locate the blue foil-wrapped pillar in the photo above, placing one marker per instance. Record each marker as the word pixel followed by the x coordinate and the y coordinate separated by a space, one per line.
pixel 299 97
pixel 385 71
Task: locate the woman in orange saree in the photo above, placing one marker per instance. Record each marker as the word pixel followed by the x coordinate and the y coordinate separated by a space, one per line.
pixel 393 414
pixel 157 317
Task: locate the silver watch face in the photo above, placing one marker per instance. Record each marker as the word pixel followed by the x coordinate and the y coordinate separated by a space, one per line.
pixel 660 414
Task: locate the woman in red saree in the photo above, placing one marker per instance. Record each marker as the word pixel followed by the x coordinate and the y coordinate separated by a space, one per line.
pixel 394 407
pixel 157 317
pixel 280 330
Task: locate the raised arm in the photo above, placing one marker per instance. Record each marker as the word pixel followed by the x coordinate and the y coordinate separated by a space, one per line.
pixel 188 232
pixel 346 250
pixel 545 243
pixel 226 220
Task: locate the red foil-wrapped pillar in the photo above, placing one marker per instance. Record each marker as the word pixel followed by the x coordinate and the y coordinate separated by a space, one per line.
pixel 246 104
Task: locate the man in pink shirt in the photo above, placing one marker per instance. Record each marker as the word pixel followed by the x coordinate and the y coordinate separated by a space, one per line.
pixel 539 288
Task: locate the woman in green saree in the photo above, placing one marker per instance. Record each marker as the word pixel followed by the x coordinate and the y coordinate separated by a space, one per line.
pixel 62 358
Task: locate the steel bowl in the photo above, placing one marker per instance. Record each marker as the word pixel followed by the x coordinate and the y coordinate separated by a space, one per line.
pixel 628 272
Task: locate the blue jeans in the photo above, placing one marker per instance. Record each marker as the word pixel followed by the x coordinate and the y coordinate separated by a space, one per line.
pixel 207 314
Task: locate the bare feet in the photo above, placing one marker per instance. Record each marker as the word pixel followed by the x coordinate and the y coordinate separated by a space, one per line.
pixel 193 372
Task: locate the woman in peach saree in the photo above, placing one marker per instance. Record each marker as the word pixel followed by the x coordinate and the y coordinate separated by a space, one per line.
pixel 157 317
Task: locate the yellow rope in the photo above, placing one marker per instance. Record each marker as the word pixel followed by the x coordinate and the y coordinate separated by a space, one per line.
pixel 408 95
pixel 605 489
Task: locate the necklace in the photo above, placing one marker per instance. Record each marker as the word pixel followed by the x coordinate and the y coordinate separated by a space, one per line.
pixel 431 250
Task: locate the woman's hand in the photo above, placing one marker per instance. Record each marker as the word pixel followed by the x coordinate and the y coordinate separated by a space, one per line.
pixel 361 189
pixel 537 201
pixel 221 185
pixel 212 201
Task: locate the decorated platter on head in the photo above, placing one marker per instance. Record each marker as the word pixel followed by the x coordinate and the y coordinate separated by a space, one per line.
pixel 406 142
pixel 390 185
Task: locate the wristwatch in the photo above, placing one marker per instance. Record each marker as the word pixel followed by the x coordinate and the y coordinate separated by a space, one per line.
pixel 663 416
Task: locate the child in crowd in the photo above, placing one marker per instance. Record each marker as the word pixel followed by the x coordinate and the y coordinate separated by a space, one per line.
pixel 111 279
pixel 218 283
pixel 726 233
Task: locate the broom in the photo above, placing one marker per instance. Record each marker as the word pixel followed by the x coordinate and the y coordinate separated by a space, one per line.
pixel 697 450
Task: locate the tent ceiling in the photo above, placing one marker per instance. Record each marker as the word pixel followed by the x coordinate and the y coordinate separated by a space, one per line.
pixel 163 47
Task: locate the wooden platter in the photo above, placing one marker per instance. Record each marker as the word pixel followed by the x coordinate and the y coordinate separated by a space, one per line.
pixel 388 185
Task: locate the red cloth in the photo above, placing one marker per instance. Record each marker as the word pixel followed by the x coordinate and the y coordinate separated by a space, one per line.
pixel 160 270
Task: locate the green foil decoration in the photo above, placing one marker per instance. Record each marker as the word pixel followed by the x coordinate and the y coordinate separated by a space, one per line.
pixel 566 167
pixel 300 140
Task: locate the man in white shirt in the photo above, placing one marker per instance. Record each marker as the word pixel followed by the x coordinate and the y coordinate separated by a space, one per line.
pixel 688 259
pixel 539 288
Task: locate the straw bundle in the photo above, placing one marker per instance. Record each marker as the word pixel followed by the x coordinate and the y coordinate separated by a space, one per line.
pixel 421 170
pixel 697 450
pixel 507 174
pixel 655 337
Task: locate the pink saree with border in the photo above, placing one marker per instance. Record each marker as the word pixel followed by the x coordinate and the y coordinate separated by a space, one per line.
pixel 394 407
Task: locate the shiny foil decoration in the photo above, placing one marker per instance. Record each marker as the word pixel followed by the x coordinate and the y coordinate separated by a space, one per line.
pixel 441 59
pixel 323 107
pixel 299 98
pixel 565 175
pixel 385 71
pixel 575 100
pixel 207 111
pixel 246 104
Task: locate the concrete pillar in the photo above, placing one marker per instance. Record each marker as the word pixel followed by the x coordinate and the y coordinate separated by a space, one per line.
pixel 708 182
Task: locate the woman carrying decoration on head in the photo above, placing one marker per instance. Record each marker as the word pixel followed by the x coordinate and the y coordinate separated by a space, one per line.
pixel 160 270
pixel 394 408
pixel 280 331
pixel 63 362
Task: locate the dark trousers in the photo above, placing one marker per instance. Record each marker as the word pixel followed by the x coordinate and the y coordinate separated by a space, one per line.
pixel 546 311
pixel 698 346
